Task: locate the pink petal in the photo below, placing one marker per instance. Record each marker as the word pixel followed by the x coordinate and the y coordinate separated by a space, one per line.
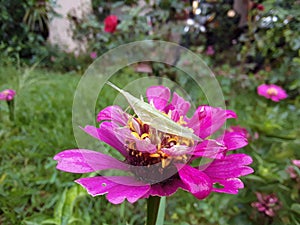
pixel 210 149
pixel 280 91
pixel 85 161
pixel 233 140
pixel 282 94
pixel 178 150
pixel 239 129
pixel 262 90
pixel 107 133
pixel 274 98
pixel 270 212
pixel 208 120
pixel 231 166
pixel 196 182
pixel 145 146
pixel 159 95
pixel 117 189
pixel 260 197
pixel 166 189
pixel 230 185
pixel 113 113
pixel 181 106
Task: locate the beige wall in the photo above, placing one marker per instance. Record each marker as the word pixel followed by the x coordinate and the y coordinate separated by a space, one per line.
pixel 60 29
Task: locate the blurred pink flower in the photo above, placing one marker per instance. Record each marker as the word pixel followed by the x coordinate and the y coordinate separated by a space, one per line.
pixel 93 55
pixel 296 162
pixel 291 169
pixel 7 95
pixel 52 58
pixel 159 163
pixel 110 23
pixel 267 204
pixel 143 68
pixel 210 50
pixel 272 91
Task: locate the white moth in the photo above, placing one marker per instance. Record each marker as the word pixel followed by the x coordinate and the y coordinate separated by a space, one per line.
pixel 154 118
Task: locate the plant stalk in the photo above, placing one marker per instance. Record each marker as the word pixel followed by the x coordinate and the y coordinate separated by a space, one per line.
pixel 152 209
pixel 11 109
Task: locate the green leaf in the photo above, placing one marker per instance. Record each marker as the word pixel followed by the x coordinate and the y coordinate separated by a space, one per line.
pixel 161 212
pixel 296 208
pixel 255 178
pixel 64 209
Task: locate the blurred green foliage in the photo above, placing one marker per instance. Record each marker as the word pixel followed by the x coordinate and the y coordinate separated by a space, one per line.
pixel 34 192
pixel 273 39
pixel 24 29
pixel 136 22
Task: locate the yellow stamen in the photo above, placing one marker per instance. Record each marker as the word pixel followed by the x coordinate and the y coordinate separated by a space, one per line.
pixel 187 142
pixel 139 121
pixel 159 147
pixel 272 91
pixel 181 121
pixel 135 134
pixel 6 92
pixel 174 139
pixel 163 163
pixel 154 155
pixel 130 124
pixel 144 135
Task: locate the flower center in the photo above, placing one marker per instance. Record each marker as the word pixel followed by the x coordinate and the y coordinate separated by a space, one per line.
pixel 6 92
pixel 150 167
pixel 272 91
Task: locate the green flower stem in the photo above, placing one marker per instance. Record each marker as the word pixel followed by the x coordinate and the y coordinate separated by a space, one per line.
pixel 152 209
pixel 11 110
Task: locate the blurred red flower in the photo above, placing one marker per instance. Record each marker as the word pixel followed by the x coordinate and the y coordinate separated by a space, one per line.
pixel 110 23
pixel 260 7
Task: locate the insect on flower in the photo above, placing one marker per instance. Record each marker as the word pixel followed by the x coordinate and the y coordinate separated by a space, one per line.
pixel 154 118
pixel 159 147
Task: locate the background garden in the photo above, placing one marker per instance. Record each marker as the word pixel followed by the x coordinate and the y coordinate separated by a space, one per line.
pixel 264 50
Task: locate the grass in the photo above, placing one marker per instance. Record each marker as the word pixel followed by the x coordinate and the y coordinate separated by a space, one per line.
pixel 42 127
pixel 33 192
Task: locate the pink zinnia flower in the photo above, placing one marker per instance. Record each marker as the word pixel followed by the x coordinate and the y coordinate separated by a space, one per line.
pixel 110 24
pixel 267 204
pixel 159 163
pixel 93 55
pixel 272 91
pixel 7 95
